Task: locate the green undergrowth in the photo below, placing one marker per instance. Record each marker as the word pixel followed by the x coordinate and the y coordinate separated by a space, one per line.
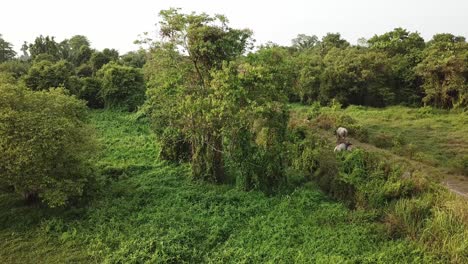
pixel 146 210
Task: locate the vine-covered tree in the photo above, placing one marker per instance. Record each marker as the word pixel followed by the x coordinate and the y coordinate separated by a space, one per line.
pixel 194 83
pixel 199 44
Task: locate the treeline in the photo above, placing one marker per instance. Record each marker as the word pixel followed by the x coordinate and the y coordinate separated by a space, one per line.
pixel 398 67
pixel 102 78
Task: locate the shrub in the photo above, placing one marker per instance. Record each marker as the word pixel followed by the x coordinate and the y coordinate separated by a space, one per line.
pixel 460 164
pixel 408 216
pixel 90 91
pixel 45 143
pixel 46 74
pixel 122 86
pixel 314 111
pixel 326 121
pixel 359 132
pixel 425 111
pixel 174 146
pixel 382 140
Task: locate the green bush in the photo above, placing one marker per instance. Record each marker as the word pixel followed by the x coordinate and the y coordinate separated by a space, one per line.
pixel 460 165
pixel 122 86
pixel 359 132
pixel 46 74
pixel 174 146
pixel 16 68
pixel 314 111
pixel 45 143
pixel 90 91
pixel 383 140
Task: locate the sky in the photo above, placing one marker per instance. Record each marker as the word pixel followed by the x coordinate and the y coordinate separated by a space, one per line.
pixel 116 24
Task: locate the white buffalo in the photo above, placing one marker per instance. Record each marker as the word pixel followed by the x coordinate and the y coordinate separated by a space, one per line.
pixel 341 134
pixel 342 147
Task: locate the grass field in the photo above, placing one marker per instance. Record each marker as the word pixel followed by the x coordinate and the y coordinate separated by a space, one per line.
pixel 435 137
pixel 149 211
pixel 440 138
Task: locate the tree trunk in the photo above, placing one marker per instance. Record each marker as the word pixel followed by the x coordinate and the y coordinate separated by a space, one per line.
pixel 30 197
pixel 218 162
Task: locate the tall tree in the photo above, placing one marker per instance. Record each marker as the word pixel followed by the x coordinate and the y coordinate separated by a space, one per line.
pixel 6 50
pixel 101 58
pixel 444 70
pixel 45 45
pixel 206 42
pixel 24 49
pixel 79 49
pixel 310 68
pixel 405 51
pixel 122 86
pixel 303 41
pixel 200 96
pixel 280 63
pixel 135 59
pixel 332 40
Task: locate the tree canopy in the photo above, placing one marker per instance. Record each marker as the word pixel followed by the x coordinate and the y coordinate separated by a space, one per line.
pixel 6 50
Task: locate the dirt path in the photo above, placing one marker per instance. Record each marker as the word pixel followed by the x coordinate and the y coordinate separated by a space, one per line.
pixel 456 183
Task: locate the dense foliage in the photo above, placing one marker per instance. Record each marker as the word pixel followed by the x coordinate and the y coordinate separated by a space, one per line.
pixel 74 65
pixel 444 71
pixel 122 86
pixel 397 67
pixel 46 144
pixel 203 101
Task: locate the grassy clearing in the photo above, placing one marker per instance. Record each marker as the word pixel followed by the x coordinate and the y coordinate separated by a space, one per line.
pixel 149 211
pixel 438 138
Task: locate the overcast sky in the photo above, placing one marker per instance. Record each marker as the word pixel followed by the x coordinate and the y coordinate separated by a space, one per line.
pixel 116 24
